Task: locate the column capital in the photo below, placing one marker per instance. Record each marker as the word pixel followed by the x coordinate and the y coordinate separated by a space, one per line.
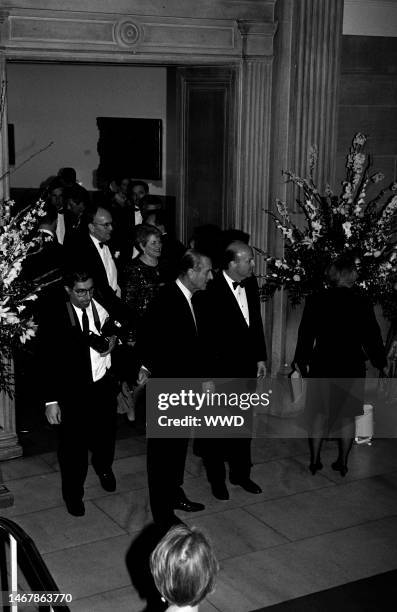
pixel 257 37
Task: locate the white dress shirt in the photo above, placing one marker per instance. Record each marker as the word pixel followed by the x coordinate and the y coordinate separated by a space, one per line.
pixel 241 297
pixel 99 365
pixel 109 265
pixel 188 295
pixel 60 228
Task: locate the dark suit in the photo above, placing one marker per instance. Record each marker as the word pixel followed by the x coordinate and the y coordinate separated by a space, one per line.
pixel 81 253
pixel 169 346
pixel 44 263
pixel 234 349
pixel 88 409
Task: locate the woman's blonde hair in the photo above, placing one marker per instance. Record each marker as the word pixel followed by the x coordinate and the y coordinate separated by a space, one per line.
pixel 184 566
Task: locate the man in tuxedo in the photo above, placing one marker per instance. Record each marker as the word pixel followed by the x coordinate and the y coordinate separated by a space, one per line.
pixel 231 309
pixel 78 388
pixel 169 346
pixel 91 249
pixel 44 262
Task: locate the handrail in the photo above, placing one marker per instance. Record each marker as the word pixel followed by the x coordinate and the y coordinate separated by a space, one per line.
pixel 31 562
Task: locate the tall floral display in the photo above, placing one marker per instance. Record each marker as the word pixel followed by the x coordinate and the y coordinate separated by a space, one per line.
pixel 18 236
pixel 357 222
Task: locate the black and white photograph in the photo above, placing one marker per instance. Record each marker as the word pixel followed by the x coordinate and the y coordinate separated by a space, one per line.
pixel 198 305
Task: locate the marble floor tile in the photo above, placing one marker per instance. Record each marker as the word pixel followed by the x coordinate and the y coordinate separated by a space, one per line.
pixel 34 493
pixel 55 529
pixel 296 569
pixel 331 508
pixel 277 479
pixel 92 568
pixel 364 460
pixel 233 532
pixel 130 474
pixel 23 467
pixel 269 449
pixel 119 600
pixel 129 510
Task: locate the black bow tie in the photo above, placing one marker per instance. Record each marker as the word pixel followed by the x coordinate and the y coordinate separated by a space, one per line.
pixel 236 284
pixel 101 245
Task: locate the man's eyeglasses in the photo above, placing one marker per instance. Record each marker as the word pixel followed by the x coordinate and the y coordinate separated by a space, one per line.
pixel 81 292
pixel 108 224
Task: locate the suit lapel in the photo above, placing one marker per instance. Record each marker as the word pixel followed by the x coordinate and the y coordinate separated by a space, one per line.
pixel 230 298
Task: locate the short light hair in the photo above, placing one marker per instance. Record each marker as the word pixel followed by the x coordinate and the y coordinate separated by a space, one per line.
pixel 142 234
pixel 184 566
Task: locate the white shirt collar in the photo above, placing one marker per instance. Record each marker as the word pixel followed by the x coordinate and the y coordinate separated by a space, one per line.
pixel 188 294
pixel 229 280
pixel 96 241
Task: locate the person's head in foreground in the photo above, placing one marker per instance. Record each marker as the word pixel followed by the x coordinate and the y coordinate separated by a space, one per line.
pixel 184 568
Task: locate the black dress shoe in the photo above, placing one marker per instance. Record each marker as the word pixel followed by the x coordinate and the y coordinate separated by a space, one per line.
pixel 315 467
pixel 188 506
pixel 248 485
pixel 108 481
pixel 219 490
pixel 75 507
pixel 340 467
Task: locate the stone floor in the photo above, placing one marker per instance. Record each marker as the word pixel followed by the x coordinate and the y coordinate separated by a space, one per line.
pixel 303 534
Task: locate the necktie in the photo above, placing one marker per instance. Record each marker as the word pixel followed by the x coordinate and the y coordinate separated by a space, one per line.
pixel 85 323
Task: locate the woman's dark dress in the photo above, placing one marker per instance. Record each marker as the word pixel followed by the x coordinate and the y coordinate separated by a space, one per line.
pixel 142 284
pixel 337 335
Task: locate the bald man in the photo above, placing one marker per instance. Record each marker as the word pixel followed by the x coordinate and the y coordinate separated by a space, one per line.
pixel 231 308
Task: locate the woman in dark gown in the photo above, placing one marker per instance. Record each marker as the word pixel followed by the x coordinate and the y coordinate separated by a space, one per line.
pixel 337 335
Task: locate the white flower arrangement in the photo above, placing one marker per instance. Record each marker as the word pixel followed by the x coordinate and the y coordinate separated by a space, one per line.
pixel 348 224
pixel 18 235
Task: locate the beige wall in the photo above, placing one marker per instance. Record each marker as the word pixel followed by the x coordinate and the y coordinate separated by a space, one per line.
pixel 60 103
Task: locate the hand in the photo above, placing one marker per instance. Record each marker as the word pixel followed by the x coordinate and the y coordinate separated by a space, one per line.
pixel 261 369
pixel 143 376
pixel 53 413
pixel 208 385
pixel 112 344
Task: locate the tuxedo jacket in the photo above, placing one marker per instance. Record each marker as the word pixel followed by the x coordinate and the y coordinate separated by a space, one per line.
pixel 46 259
pixel 64 355
pixel 82 253
pixel 233 347
pixel 168 342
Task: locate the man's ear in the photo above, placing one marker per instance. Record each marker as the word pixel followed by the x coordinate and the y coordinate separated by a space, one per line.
pixel 67 289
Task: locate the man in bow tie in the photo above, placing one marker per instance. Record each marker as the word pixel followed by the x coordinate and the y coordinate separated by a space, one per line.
pixel 231 309
pixel 91 248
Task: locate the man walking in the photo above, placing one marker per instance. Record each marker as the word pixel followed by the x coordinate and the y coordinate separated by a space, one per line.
pixel 76 342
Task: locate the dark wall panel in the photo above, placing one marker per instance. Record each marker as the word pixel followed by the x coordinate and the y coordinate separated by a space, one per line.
pixel 368 100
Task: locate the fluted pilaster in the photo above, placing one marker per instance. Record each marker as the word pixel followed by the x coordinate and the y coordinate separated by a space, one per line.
pixel 256 84
pixel 4 181
pixel 318 30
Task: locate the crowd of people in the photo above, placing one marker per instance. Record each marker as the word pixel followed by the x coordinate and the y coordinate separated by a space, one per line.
pixel 126 301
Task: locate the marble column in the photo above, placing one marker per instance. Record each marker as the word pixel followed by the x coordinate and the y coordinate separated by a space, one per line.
pixel 254 135
pixel 318 36
pixel 9 446
pixel 304 113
